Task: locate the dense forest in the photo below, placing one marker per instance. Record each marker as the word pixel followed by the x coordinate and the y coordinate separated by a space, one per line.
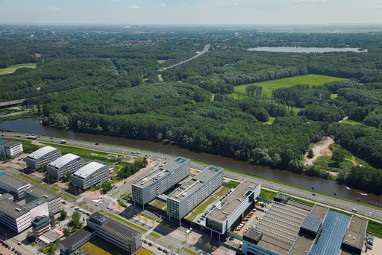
pixel 108 83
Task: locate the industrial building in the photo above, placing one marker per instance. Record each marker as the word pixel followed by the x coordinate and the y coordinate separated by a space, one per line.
pixel 295 229
pixel 42 157
pixel 90 175
pixel 233 207
pixel 10 149
pixel 108 229
pixel 68 163
pixel 18 215
pixel 160 180
pixel 191 193
pixel 13 185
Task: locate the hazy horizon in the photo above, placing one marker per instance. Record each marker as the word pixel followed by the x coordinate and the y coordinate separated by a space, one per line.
pixel 191 12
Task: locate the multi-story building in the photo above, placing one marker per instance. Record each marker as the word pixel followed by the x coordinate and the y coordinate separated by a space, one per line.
pixel 68 163
pixel 233 207
pixel 42 157
pixel 107 229
pixel 10 149
pixel 13 185
pixel 191 193
pixel 160 180
pixel 114 232
pixel 40 225
pixel 38 202
pixel 90 175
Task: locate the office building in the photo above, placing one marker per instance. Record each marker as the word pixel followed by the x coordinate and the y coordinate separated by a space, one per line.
pixel 13 185
pixel 40 225
pixel 233 207
pixel 90 175
pixel 115 232
pixel 42 157
pixel 18 215
pixel 75 241
pixel 10 149
pixel 68 163
pixel 191 193
pixel 107 229
pixel 160 180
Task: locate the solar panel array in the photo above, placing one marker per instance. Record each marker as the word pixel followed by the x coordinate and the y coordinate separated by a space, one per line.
pixel 333 231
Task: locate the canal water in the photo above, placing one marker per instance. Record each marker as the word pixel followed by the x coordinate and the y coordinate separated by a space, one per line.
pixel 33 126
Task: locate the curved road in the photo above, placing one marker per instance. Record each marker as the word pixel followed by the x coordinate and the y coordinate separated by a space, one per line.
pixel 366 211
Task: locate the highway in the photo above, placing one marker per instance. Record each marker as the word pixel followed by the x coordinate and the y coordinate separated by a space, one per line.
pixel 366 211
pixel 201 53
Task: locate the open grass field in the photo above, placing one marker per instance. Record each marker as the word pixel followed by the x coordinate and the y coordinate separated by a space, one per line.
pixel 200 209
pixel 269 86
pixel 222 191
pixel 12 69
pixel 100 247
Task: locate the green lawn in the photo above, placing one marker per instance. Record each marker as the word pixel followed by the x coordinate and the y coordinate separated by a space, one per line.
pixel 269 86
pixel 231 184
pixel 200 209
pixel 12 69
pixel 189 251
pixel 374 228
pixel 158 203
pixel 222 191
pixel 351 122
pixel 267 194
pixel 161 61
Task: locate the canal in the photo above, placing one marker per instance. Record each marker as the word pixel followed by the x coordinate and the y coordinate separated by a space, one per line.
pixel 33 126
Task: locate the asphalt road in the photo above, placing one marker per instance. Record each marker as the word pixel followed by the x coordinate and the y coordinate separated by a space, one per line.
pixel 363 210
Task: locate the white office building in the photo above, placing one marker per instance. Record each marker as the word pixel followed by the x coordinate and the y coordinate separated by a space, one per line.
pixel 42 157
pixel 10 149
pixel 68 163
pixel 19 215
pixel 90 175
pixel 193 192
pixel 159 180
pixel 13 185
pixel 233 207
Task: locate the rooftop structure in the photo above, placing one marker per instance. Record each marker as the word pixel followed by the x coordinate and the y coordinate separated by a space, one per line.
pixel 75 241
pixel 61 161
pixel 88 169
pixel 333 231
pixel 159 180
pixel 355 235
pixel 191 193
pixel 41 152
pixel 232 206
pixel 11 181
pixel 68 163
pixel 232 201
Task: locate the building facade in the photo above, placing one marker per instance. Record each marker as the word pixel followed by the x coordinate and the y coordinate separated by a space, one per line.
pixel 37 202
pixel 10 149
pixel 40 225
pixel 13 185
pixel 233 207
pixel 42 157
pixel 90 175
pixel 114 232
pixel 75 241
pixel 68 163
pixel 160 180
pixel 188 196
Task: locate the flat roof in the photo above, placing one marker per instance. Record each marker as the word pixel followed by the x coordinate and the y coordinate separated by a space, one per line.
pixel 61 161
pixel 118 229
pixel 232 201
pixel 355 234
pixel 41 152
pixel 189 187
pixel 7 143
pixel 88 169
pixel 76 237
pixel 160 172
pixel 11 208
pixel 301 246
pixel 12 181
pixel 320 211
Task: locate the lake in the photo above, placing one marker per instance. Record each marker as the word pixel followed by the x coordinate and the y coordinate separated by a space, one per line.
pixel 307 49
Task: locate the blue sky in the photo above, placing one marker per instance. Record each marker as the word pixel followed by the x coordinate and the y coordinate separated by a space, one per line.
pixel 190 11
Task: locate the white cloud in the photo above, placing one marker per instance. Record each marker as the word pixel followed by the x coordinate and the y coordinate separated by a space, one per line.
pixel 378 7
pixel 163 5
pixel 134 6
pixel 55 8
